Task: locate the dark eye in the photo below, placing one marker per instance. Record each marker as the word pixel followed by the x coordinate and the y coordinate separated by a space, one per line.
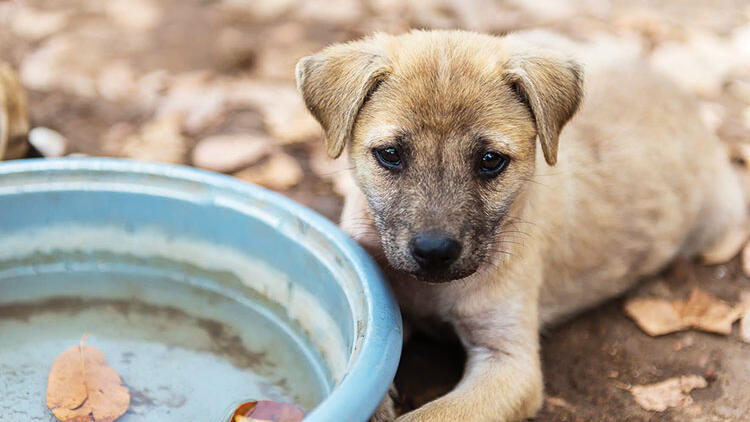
pixel 493 163
pixel 388 157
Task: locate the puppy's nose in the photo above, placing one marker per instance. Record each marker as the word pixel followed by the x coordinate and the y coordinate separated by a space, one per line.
pixel 434 251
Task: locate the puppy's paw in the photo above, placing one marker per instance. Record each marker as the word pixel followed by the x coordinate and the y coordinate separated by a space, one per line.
pixel 386 411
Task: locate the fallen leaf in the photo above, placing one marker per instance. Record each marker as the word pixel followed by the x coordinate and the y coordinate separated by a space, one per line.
pixel 746 259
pixel 280 171
pixel 138 15
pixel 117 81
pixel 701 311
pixel 744 310
pixel 672 392
pixel 196 97
pixel 330 12
pixel 230 153
pixel 260 9
pixel 158 140
pixel 55 64
pixel 81 387
pixel 558 402
pixel 35 24
pixel 705 312
pixel 267 411
pixel 284 114
pixel 655 316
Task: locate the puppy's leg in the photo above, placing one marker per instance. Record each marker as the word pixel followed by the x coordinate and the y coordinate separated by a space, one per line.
pixel 386 411
pixel 502 381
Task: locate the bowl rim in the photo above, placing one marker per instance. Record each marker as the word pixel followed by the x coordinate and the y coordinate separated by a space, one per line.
pixel 372 367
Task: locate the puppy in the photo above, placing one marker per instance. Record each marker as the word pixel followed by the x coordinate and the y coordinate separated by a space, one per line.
pixel 489 220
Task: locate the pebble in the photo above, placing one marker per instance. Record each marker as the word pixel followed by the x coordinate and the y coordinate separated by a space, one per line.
pixel 48 142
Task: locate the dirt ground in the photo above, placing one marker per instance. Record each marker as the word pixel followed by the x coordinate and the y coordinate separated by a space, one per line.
pixel 155 79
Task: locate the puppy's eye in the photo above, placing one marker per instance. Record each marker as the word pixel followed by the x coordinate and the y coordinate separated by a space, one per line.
pixel 493 163
pixel 388 157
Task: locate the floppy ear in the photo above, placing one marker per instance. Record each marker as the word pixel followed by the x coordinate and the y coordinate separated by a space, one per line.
pixel 553 88
pixel 335 83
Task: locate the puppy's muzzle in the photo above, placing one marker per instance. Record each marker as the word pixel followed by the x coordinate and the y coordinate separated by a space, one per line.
pixel 434 251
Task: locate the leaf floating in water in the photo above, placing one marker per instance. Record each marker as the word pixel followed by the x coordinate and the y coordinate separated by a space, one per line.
pixel 82 388
pixel 267 411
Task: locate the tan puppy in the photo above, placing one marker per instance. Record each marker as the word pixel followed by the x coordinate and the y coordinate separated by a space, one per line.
pixel 480 232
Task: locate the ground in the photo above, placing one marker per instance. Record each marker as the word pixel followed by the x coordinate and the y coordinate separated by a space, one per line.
pixel 154 79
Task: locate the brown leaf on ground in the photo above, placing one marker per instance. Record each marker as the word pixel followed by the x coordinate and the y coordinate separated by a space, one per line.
pixel 229 153
pixel 746 260
pixel 284 114
pixel 744 309
pixel 280 171
pixel 82 388
pixel 701 311
pixel 267 411
pixel 158 140
pixel 672 392
pixel 705 312
pixel 558 402
pixel 655 316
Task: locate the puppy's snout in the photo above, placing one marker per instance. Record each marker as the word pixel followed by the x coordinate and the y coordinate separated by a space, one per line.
pixel 434 251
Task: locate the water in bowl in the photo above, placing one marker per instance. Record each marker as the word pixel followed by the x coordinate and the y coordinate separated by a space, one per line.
pixel 185 352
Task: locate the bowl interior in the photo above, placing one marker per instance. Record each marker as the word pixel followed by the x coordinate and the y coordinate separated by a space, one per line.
pixel 202 292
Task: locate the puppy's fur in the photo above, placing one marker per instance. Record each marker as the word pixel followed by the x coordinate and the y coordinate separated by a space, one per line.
pixel 633 181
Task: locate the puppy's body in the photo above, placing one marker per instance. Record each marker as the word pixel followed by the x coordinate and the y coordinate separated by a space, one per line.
pixel 638 180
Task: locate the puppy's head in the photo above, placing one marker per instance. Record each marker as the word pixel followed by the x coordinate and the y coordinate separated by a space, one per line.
pixel 441 129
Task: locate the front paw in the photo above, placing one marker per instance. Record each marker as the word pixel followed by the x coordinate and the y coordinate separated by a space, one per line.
pixel 386 411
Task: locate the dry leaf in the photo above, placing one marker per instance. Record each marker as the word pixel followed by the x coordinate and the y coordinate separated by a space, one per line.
pixel 229 153
pixel 701 311
pixel 82 388
pixel 746 260
pixel 55 65
pixel 280 171
pixel 158 140
pixel 744 309
pixel 267 411
pixel 655 316
pixel 137 15
pixel 117 81
pixel 284 113
pixel 672 392
pixel 35 24
pixel 705 312
pixel 196 97
pixel 558 402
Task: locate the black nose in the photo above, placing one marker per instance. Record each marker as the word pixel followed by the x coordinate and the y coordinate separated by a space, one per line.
pixel 434 251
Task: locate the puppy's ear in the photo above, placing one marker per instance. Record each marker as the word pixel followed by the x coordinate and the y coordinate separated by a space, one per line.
pixel 335 83
pixel 553 88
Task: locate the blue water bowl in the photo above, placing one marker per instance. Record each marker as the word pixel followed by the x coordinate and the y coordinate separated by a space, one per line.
pixel 202 291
